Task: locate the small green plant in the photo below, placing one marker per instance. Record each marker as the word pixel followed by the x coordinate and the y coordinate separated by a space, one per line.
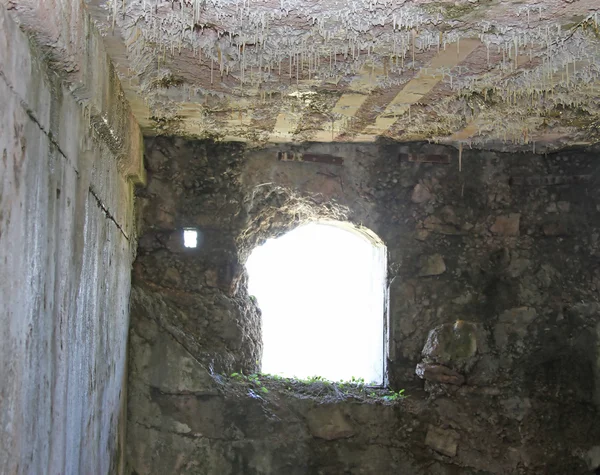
pixel 238 376
pixel 352 383
pixel 394 395
pixel 274 377
pixel 319 386
pixel 254 378
pixel 313 379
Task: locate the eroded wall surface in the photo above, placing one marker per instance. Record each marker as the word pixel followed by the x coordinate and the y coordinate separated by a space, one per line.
pixel 66 248
pixel 494 312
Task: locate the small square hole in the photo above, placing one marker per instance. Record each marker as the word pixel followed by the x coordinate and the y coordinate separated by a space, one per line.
pixel 190 238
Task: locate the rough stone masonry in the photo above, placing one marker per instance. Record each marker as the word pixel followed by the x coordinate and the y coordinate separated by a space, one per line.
pixel 494 332
pixel 494 313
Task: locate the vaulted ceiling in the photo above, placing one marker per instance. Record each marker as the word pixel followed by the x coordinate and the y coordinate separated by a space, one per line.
pixel 499 74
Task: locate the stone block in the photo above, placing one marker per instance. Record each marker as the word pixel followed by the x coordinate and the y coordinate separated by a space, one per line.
pixel 436 225
pixel 556 228
pixel 329 423
pixel 516 408
pixel 518 316
pixel 420 194
pixel 431 265
pixel 507 225
pixel 443 441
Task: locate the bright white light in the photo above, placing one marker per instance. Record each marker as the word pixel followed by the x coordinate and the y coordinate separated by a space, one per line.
pixel 190 238
pixel 321 292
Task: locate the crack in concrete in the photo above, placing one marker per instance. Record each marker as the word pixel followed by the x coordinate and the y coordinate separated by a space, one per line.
pixel 108 214
pixel 30 113
pixel 35 120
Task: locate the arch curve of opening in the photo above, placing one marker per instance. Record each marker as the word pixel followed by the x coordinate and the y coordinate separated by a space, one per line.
pixel 321 289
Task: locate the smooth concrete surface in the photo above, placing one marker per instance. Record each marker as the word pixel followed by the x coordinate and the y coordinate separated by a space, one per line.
pixel 66 248
pixel 75 48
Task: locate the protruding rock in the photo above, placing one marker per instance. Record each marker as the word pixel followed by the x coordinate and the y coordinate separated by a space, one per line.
pixel 452 345
pixel 439 374
pixel 593 457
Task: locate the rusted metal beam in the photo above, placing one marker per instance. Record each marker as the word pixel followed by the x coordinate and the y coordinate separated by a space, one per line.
pixel 425 158
pixel 309 157
pixel 549 180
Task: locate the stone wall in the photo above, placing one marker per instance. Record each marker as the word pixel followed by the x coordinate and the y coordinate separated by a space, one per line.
pixel 494 313
pixel 66 248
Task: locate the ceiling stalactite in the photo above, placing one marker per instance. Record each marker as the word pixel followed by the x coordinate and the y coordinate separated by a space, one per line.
pixel 484 73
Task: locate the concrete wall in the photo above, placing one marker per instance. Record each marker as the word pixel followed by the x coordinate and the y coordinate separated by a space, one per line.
pixel 66 247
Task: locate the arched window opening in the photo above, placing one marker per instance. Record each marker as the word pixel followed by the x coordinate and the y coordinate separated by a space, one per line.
pixel 321 290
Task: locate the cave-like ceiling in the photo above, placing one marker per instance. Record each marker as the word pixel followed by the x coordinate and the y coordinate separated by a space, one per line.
pixel 500 74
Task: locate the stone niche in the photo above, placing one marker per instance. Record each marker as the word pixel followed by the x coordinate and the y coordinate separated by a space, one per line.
pixel 494 319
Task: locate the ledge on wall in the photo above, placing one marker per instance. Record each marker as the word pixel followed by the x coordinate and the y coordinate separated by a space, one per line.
pixel 76 53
